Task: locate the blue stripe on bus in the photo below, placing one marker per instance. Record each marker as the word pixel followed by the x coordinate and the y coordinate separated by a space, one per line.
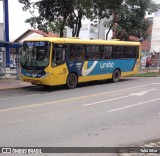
pixel 101 67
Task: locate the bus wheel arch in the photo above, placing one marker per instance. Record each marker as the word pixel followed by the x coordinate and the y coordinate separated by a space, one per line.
pixel 72 80
pixel 116 75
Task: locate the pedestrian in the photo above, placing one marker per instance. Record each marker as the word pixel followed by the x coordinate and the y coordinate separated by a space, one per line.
pixel 147 63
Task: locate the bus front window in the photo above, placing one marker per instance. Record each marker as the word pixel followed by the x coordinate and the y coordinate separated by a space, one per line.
pixel 35 55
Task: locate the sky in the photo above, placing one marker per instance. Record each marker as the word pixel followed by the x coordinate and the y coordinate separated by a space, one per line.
pixel 17 17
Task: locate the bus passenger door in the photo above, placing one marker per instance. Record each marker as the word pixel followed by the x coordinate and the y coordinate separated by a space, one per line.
pixel 60 71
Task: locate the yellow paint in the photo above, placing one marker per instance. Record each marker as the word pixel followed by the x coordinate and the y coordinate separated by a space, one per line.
pixel 94 77
pixel 58 75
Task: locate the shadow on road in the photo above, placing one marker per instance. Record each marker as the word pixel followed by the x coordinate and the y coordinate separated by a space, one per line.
pixel 80 85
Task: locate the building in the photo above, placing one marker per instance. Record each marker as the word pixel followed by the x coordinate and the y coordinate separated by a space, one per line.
pixel 1 49
pixel 155 40
pixel 1 32
pixel 89 30
pixel 32 33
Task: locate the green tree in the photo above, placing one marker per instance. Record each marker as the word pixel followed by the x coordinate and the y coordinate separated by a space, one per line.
pixel 106 9
pixel 59 12
pixel 127 17
pixel 81 9
pixel 49 11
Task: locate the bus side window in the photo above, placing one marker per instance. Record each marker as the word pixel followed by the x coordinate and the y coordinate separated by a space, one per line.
pixel 58 56
pixel 120 52
pixel 135 51
pixel 129 52
pixel 72 53
pixel 107 52
pixel 96 52
pixel 93 52
pixel 132 52
pixel 77 52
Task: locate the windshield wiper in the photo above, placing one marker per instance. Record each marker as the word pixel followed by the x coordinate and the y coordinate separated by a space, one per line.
pixel 33 60
pixel 26 61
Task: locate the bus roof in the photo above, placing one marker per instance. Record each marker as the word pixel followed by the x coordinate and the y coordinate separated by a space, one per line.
pixel 84 41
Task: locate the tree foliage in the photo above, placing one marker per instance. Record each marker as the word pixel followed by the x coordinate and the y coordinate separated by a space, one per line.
pixel 128 17
pixel 125 17
pixel 61 12
pixel 106 9
pixel 49 11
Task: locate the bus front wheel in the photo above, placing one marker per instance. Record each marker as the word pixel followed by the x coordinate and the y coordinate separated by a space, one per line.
pixel 71 81
pixel 116 76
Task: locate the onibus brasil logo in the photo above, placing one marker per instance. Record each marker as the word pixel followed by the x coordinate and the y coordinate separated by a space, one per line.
pixel 86 71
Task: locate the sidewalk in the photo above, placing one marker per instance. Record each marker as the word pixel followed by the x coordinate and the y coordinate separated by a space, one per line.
pixel 13 83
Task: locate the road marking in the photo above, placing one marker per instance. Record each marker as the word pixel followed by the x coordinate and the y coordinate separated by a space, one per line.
pixel 15 97
pixel 92 95
pixel 141 103
pixel 69 99
pixel 143 92
pixel 156 83
pixel 94 103
pixel 133 94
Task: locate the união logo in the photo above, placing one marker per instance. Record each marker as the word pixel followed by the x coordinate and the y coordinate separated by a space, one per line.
pixel 107 65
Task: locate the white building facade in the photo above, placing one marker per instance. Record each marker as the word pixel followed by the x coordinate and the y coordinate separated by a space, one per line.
pixel 90 30
pixel 1 32
pixel 155 39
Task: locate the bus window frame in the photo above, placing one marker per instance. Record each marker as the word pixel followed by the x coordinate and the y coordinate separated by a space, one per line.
pixel 126 52
pixel 137 52
pixel 53 55
pixel 69 52
pixel 100 52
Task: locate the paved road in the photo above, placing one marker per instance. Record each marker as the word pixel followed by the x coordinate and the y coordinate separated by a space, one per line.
pixel 93 115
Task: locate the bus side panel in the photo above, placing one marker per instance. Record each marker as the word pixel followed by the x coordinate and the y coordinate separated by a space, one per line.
pixel 102 69
pixel 58 75
pixel 95 77
pixel 134 71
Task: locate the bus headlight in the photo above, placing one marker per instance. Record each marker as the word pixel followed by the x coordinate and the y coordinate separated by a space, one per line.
pixel 47 74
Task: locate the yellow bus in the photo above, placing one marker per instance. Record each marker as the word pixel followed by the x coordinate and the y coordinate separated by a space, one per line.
pixel 57 61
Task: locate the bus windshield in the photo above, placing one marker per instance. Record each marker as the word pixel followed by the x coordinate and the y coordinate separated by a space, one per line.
pixel 35 55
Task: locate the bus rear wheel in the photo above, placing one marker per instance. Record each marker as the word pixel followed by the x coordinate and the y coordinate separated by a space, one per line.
pixel 116 76
pixel 71 81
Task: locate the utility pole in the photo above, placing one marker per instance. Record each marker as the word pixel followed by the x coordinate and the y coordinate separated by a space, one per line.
pixel 159 61
pixel 6 29
pixel 99 28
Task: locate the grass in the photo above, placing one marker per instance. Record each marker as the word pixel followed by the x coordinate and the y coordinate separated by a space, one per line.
pixel 147 74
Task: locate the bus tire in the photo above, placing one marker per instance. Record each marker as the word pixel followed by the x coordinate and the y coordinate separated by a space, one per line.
pixel 116 75
pixel 72 81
